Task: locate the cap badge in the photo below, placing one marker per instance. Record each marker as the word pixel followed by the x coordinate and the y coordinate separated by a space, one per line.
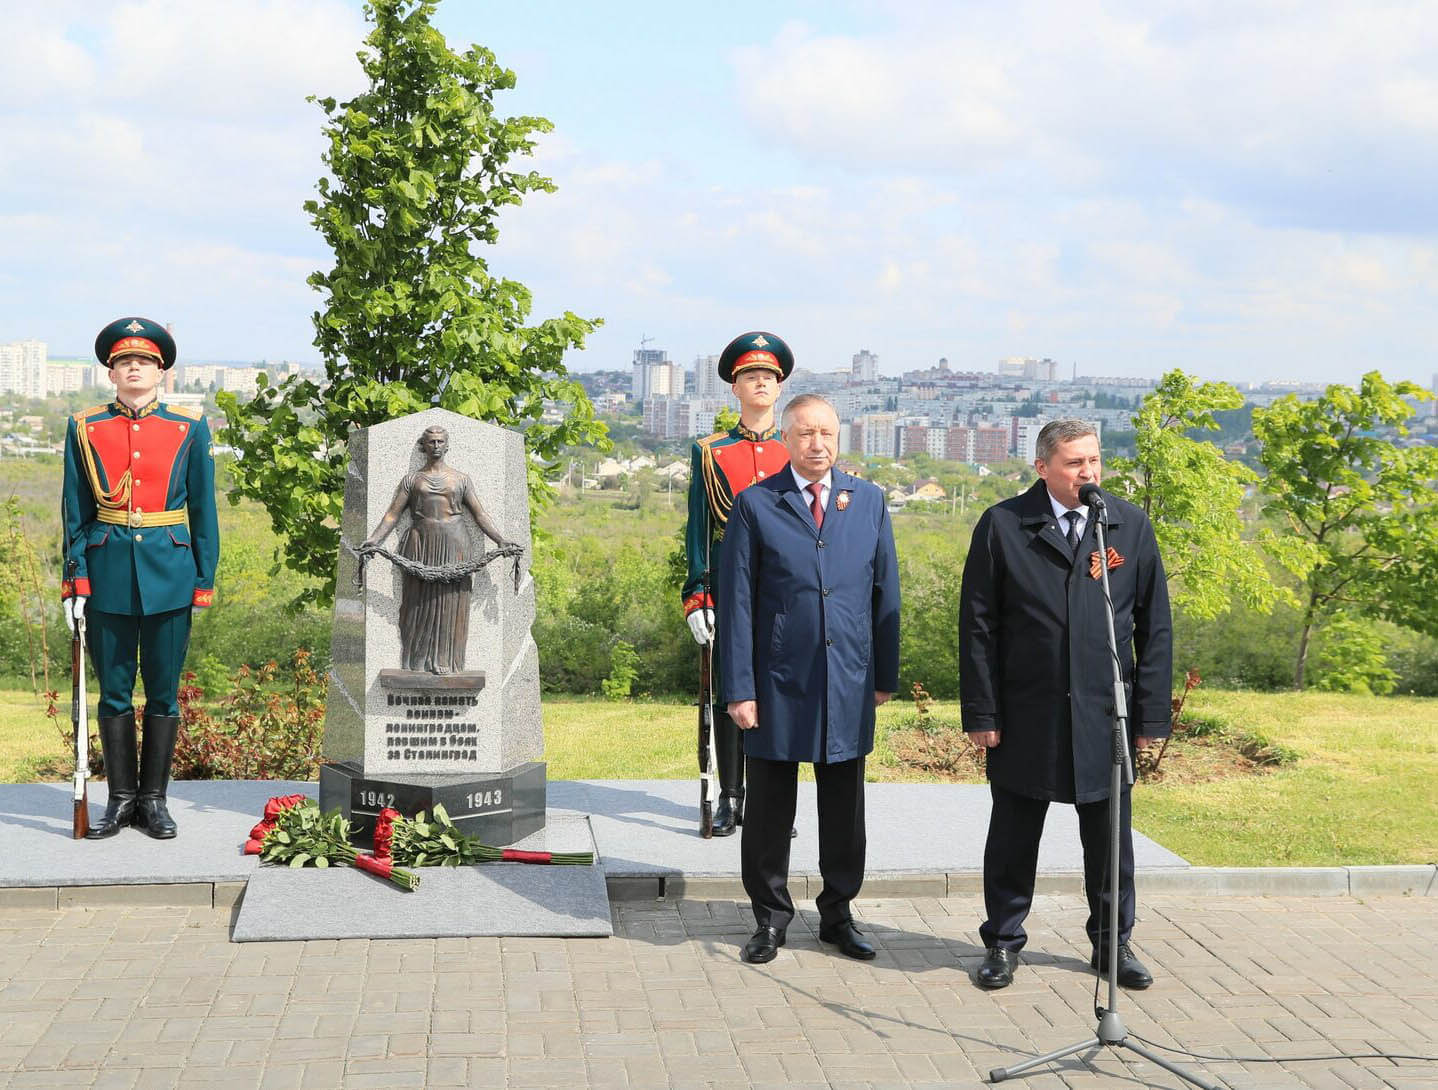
pixel 759 341
pixel 135 327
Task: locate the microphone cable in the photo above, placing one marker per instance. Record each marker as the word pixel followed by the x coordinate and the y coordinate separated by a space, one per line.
pixel 1284 1059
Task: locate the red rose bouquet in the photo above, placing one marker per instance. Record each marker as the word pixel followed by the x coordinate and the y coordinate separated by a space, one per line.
pixel 434 841
pixel 295 833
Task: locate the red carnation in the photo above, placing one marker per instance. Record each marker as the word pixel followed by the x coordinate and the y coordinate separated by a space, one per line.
pixel 280 803
pixel 384 831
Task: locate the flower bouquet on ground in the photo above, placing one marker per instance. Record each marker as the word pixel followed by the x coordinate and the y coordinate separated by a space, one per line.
pixel 294 833
pixel 434 841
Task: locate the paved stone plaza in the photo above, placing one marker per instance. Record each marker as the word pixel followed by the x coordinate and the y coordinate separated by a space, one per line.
pixel 136 996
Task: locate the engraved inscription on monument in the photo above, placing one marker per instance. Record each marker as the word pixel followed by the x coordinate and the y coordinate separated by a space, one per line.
pixel 434 727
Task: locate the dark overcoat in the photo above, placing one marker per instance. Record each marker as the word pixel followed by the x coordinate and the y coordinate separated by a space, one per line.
pixel 809 619
pixel 1033 645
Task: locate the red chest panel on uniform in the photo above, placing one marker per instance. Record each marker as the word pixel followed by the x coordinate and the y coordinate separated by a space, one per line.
pixel 147 447
pixel 749 460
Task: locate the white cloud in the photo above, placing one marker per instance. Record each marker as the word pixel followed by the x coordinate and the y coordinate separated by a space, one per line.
pixel 1240 188
pixel 1296 112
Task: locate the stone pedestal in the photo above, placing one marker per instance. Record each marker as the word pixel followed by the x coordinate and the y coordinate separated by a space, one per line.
pixel 471 739
pixel 499 809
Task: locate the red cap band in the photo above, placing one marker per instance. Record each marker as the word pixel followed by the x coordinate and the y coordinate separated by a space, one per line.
pixel 756 359
pixel 135 346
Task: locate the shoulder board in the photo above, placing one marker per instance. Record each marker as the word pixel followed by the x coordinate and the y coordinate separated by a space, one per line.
pixel 186 410
pixel 712 438
pixel 91 411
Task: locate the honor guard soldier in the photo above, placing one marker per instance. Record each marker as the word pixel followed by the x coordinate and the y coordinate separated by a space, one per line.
pixel 141 545
pixel 723 464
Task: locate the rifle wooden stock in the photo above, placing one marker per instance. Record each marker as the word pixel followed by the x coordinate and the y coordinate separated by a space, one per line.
pixel 82 815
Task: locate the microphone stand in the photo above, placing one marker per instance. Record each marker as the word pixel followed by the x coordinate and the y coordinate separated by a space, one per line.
pixel 1111 1031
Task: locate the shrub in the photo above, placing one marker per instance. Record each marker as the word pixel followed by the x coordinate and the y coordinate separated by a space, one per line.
pixel 622 671
pixel 267 728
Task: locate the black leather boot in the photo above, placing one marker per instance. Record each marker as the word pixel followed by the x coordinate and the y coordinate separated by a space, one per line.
pixel 117 742
pixel 729 754
pixel 157 747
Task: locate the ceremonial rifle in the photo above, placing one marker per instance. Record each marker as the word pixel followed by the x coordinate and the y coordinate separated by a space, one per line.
pixel 707 757
pixel 79 718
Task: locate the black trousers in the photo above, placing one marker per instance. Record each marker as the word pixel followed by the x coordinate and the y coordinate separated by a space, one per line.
pixel 764 846
pixel 1011 859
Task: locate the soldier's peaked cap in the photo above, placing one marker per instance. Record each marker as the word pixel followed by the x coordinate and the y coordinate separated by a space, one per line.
pixel 756 349
pixel 135 336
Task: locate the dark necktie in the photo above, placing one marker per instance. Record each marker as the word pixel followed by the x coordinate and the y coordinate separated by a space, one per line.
pixel 816 506
pixel 1073 534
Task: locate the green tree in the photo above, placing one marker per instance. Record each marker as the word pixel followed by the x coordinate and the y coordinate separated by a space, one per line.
pixel 1193 495
pixel 412 316
pixel 1360 507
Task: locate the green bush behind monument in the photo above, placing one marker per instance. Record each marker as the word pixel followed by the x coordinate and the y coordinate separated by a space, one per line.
pixel 602 577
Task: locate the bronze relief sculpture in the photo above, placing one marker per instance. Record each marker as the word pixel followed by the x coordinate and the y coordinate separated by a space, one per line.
pixel 434 556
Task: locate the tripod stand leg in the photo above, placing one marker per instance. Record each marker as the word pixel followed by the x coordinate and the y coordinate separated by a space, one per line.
pixel 999 1074
pixel 1168 1065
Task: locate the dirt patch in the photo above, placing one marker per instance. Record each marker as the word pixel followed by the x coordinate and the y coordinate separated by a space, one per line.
pixel 948 755
pixel 942 754
pixel 1202 760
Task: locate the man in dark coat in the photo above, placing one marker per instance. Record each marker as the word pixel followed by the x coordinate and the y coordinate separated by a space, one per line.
pixel 1036 684
pixel 809 640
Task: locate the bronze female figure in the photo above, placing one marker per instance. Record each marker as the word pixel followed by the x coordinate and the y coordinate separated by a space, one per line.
pixel 434 615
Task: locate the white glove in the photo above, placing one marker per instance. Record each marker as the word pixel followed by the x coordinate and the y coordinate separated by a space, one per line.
pixel 701 623
pixel 74 611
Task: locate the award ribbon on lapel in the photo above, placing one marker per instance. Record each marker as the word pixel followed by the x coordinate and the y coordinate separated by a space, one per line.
pixel 1095 569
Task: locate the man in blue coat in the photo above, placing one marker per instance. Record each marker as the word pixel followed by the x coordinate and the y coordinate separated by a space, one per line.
pixel 809 638
pixel 142 542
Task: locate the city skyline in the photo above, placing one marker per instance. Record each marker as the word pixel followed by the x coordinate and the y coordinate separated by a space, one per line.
pixel 1239 191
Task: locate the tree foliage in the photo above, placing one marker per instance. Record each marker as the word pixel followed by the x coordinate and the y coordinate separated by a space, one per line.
pixel 412 316
pixel 1360 507
pixel 1194 495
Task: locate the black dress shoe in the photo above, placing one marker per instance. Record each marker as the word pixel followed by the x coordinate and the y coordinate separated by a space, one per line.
pixel 727 815
pixel 1131 972
pixel 764 946
pixel 997 971
pixel 849 939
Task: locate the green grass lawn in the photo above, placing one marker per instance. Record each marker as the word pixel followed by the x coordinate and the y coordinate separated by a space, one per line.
pixel 1364 789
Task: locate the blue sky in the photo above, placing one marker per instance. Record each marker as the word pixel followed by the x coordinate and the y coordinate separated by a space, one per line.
pixel 1246 190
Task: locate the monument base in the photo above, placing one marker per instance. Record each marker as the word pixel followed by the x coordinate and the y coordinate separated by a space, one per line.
pixel 499 808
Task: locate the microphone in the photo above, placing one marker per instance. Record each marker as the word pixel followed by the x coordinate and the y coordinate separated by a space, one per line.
pixel 1092 496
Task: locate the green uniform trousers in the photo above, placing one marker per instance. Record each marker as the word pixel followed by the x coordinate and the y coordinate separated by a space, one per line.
pixel 154 642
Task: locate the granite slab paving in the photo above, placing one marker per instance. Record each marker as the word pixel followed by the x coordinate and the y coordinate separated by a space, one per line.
pixel 214 816
pixel 282 904
pixel 641 828
pixel 651 827
pixel 158 997
pixel 513 899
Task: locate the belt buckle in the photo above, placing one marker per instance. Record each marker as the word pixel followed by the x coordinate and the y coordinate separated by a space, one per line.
pixel 137 519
